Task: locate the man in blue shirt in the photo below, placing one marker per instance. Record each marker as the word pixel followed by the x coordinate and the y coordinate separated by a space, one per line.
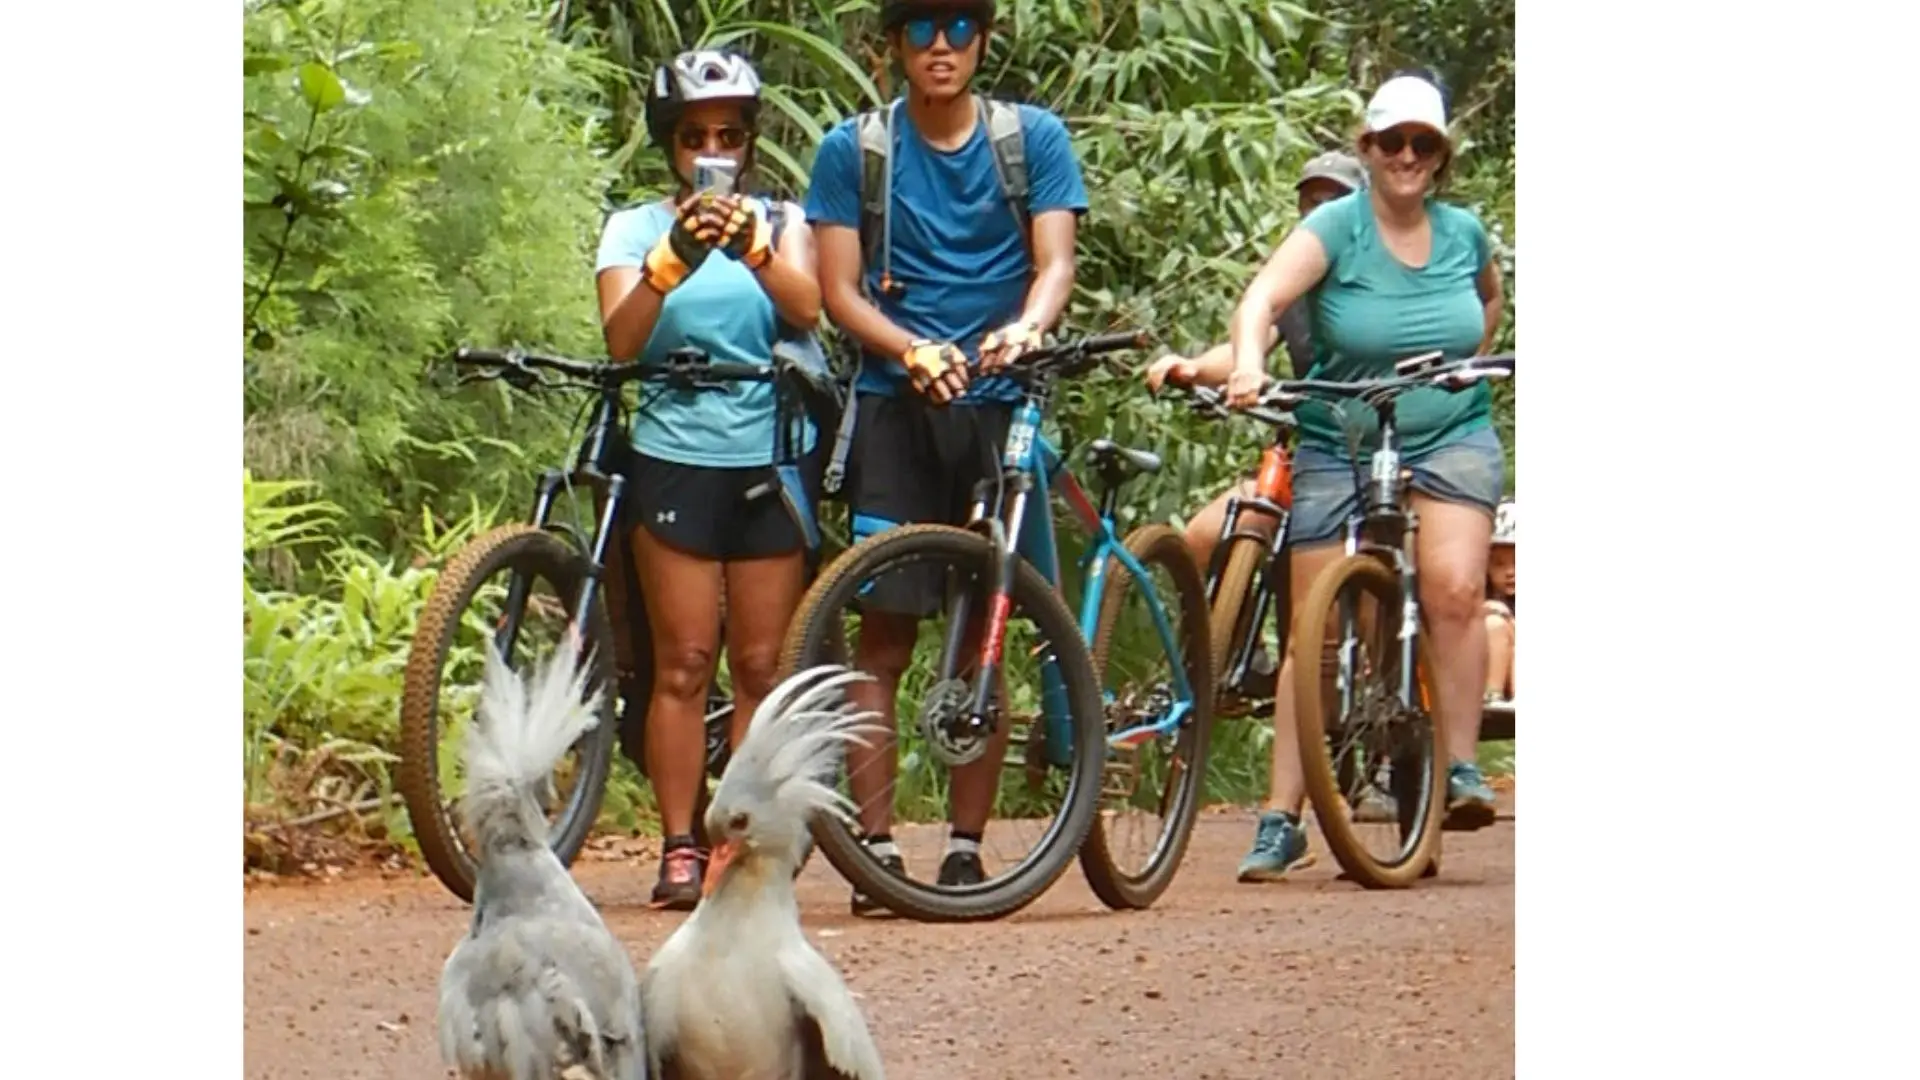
pixel 961 290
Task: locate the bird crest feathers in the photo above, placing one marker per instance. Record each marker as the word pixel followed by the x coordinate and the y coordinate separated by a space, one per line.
pixel 524 727
pixel 795 739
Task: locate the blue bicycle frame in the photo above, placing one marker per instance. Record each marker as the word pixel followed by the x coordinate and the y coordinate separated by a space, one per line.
pixel 1031 467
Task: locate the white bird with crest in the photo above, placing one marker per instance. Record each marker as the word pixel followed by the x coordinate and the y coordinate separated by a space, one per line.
pixel 738 992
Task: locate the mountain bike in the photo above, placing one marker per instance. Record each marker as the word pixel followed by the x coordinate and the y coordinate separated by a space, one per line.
pixel 1248 576
pixel 574 559
pixel 1084 745
pixel 1360 667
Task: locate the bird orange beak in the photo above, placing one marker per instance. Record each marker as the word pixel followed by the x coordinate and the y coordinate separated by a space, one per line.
pixel 717 861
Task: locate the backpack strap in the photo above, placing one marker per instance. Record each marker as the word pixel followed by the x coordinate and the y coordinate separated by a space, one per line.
pixel 776 218
pixel 1009 143
pixel 777 222
pixel 875 128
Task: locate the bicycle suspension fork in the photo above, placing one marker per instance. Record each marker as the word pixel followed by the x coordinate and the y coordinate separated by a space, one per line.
pixel 1003 531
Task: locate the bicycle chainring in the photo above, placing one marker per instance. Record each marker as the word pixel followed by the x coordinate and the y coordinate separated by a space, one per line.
pixel 1143 707
pixel 943 720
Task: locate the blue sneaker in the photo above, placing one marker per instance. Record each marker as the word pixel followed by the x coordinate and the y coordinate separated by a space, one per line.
pixel 1469 799
pixel 1279 846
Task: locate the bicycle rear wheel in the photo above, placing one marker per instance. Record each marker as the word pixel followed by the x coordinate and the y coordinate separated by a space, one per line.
pixel 461 616
pixel 818 634
pixel 1354 730
pixel 1172 763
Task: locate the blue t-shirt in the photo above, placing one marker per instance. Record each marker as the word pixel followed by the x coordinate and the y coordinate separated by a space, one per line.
pixel 722 309
pixel 957 246
pixel 1371 310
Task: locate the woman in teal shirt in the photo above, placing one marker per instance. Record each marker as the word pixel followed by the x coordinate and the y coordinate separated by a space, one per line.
pixel 1388 272
pixel 688 272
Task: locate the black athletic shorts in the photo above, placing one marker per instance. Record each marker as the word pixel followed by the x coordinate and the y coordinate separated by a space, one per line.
pixel 913 462
pixel 704 510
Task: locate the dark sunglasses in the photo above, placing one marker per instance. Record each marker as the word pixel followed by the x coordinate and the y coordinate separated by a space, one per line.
pixel 960 30
pixel 1391 141
pixel 699 138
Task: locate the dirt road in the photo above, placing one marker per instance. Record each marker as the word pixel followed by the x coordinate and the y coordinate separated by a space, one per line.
pixel 1312 978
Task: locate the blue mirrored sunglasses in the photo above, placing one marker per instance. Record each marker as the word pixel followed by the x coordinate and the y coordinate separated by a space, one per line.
pixel 959 29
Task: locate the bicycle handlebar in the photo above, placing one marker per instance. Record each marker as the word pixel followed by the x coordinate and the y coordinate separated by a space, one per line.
pixel 685 368
pixel 1068 358
pixel 1453 375
pixel 1213 403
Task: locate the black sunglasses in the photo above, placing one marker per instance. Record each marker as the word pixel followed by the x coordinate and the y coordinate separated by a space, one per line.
pixel 1391 141
pixel 698 138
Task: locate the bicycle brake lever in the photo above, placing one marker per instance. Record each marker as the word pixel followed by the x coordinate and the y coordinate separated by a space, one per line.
pixel 1464 377
pixel 521 378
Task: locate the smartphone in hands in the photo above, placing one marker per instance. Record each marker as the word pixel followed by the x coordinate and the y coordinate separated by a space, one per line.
pixel 715 176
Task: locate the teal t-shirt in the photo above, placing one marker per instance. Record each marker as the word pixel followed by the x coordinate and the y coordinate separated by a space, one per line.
pixel 722 309
pixel 1371 310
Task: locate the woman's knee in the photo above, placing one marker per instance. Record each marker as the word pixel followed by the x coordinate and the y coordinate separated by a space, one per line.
pixel 753 666
pixel 1453 594
pixel 1200 536
pixel 682 669
pixel 1499 629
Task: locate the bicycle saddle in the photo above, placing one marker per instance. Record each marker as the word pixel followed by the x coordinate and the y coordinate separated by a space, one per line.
pixel 1105 453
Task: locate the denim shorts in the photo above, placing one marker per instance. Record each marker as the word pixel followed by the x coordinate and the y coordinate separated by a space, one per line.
pixel 1471 469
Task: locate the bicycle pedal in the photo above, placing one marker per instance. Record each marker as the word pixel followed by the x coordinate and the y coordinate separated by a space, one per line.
pixel 1121 778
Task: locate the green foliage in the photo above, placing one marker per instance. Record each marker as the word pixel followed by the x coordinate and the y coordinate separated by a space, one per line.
pixel 322 669
pixel 415 175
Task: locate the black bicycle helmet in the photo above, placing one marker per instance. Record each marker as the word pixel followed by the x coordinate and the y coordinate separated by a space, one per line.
pixel 895 12
pixel 700 75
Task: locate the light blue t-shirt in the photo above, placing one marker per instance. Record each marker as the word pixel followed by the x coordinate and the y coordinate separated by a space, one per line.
pixel 1371 310
pixel 721 309
pixel 957 246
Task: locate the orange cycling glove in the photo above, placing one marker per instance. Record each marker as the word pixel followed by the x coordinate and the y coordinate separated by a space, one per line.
pixel 680 252
pixel 1003 346
pixel 746 234
pixel 936 368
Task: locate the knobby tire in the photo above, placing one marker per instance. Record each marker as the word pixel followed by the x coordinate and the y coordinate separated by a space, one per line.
pixel 435 825
pixel 1117 888
pixel 815 636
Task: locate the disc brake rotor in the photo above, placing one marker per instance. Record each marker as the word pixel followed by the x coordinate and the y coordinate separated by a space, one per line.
pixel 943 718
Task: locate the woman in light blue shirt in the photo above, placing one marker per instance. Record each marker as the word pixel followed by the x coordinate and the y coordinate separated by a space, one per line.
pixel 710 274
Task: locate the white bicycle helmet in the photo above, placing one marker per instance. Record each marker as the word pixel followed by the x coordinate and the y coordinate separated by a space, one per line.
pixel 1505 528
pixel 700 75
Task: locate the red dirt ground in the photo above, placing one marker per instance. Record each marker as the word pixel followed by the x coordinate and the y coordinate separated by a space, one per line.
pixel 1310 978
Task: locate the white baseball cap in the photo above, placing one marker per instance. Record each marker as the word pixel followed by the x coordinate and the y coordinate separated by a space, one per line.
pixel 1407 99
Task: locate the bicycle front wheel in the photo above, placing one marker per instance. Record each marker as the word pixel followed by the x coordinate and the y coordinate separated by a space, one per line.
pixel 1361 745
pixel 1061 783
pixel 1158 772
pixel 1231 619
pixel 468 605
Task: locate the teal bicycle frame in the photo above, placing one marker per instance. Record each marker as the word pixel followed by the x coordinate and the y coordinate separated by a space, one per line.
pixel 1031 469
